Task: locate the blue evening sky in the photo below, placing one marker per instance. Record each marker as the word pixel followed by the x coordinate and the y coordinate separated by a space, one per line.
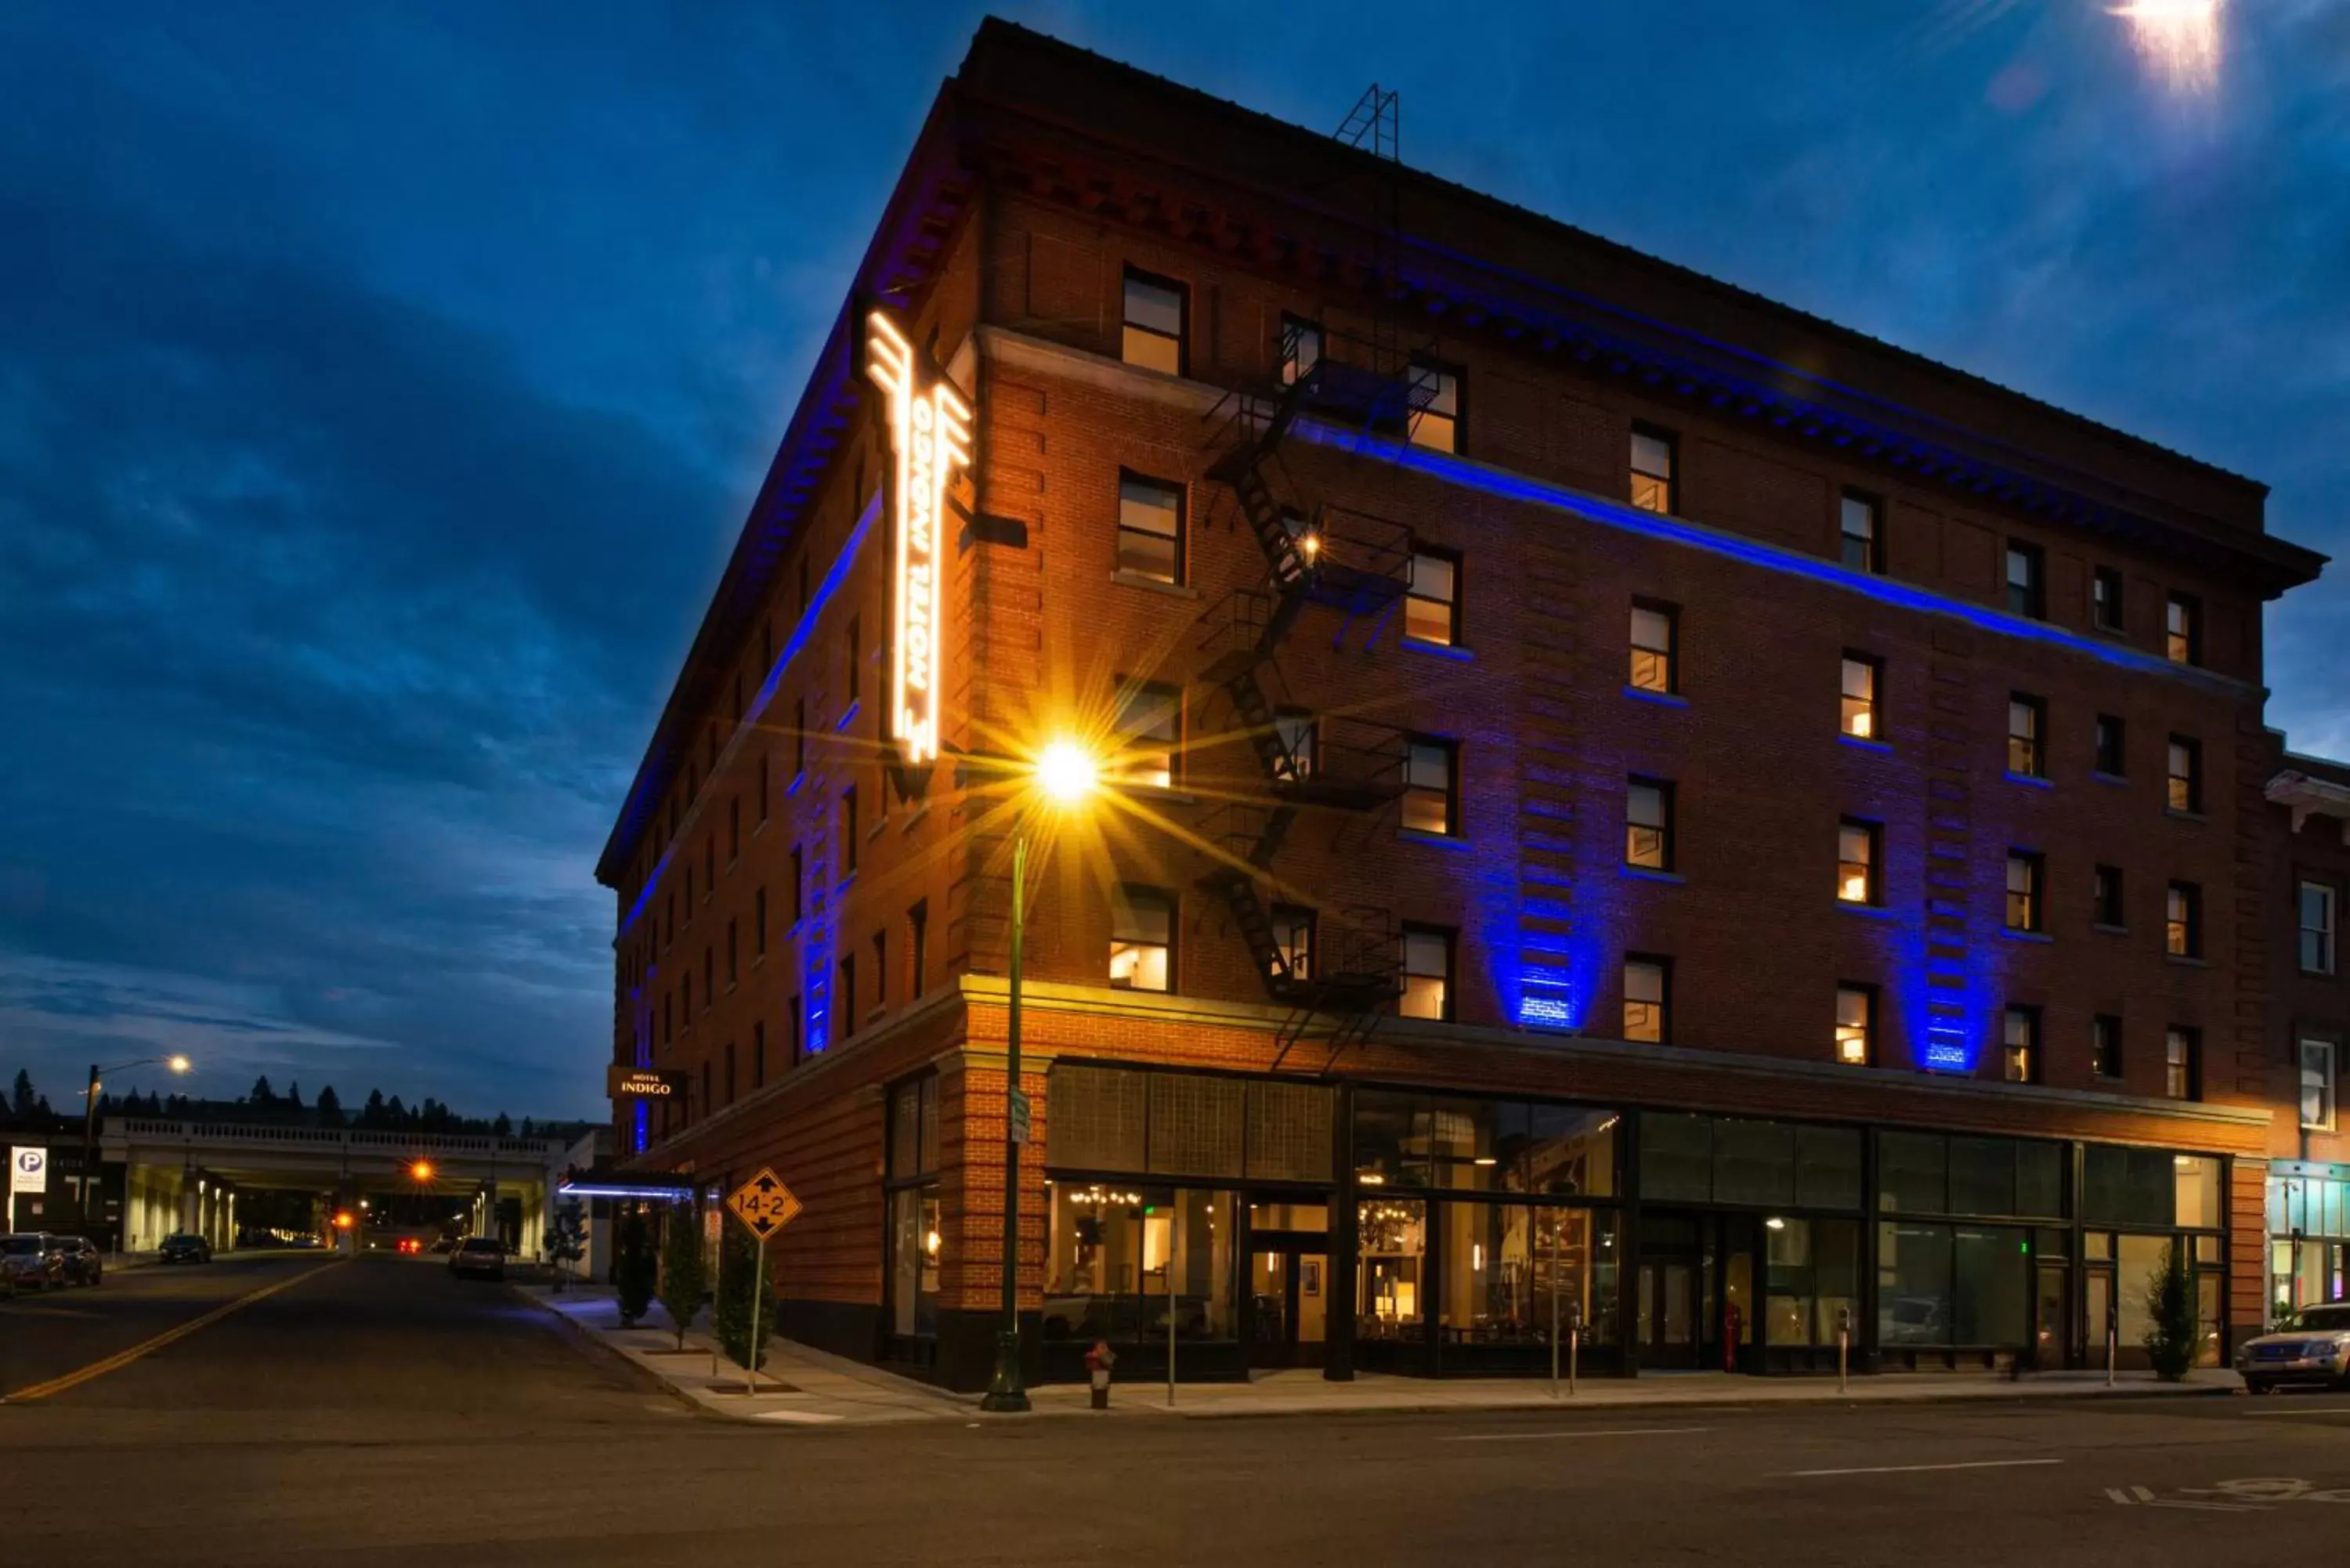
pixel 381 389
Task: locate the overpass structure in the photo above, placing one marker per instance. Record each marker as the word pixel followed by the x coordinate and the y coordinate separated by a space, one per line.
pixel 186 1175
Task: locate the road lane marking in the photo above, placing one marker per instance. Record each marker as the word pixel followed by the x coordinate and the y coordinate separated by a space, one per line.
pixel 1901 1469
pixel 2321 1410
pixel 122 1358
pixel 1612 1432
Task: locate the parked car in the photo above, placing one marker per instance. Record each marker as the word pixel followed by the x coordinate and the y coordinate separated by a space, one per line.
pixel 481 1256
pixel 2313 1348
pixel 31 1261
pixel 184 1247
pixel 84 1263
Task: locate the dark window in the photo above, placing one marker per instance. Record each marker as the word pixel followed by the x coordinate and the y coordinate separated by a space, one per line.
pixel 1857 716
pixel 1855 1025
pixel 2113 747
pixel 1149 733
pixel 845 997
pixel 2182 920
pixel 2026 870
pixel 799 736
pixel 1861 549
pixel 2106 907
pixel 2027 573
pixel 1654 451
pixel 1648 998
pixel 708 978
pixel 733 956
pixel 729 1073
pixel 2106 608
pixel 758 1055
pixel 799 885
pixel 2183 777
pixel 2313 914
pixel 1141 939
pixel 848 835
pixel 1432 609
pixel 2027 731
pixel 917 947
pixel 881 970
pixel 1648 824
pixel 1154 321
pixel 794 1016
pixel 1432 773
pixel 734 830
pixel 1427 972
pixel 2182 629
pixel 1656 647
pixel 2182 1062
pixel 763 788
pixel 2020 1040
pixel 2106 1045
pixel 1150 528
pixel 855 661
pixel 1859 847
pixel 1435 418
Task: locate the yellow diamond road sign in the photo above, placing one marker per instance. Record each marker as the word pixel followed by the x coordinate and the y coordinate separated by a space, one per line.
pixel 764 1204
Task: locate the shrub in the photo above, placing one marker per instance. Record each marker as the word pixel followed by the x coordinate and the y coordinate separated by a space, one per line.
pixel 741 1280
pixel 685 1274
pixel 2172 1329
pixel 634 1268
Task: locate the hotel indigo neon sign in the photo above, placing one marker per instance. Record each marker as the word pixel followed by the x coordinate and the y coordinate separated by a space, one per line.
pixel 929 436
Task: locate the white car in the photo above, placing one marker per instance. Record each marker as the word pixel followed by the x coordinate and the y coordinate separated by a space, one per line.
pixel 2314 1348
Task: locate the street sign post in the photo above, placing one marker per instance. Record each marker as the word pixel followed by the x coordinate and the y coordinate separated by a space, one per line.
pixel 766 1206
pixel 1019 1114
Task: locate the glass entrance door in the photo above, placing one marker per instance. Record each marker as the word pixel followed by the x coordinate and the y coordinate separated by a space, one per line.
pixel 1289 1298
pixel 1671 1293
pixel 2052 1318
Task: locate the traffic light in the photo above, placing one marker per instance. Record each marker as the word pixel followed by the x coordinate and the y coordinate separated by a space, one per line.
pixel 343 1220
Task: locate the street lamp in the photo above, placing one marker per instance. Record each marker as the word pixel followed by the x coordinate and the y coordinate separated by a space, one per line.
pixel 1063 777
pixel 175 1061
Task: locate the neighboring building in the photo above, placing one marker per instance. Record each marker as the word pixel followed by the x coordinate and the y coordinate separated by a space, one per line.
pixel 2309 1030
pixel 1635 806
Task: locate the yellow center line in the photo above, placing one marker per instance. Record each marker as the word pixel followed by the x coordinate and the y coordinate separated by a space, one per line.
pixel 122 1358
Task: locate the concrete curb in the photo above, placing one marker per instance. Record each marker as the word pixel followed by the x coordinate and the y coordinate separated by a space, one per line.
pixel 590 1343
pixel 1564 1404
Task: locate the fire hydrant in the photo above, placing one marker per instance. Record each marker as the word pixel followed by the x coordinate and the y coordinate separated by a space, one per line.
pixel 1098 1361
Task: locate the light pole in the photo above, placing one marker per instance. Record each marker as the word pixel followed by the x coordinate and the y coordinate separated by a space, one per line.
pixel 178 1063
pixel 1065 775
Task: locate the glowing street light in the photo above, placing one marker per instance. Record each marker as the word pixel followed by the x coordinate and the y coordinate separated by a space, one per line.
pixel 1067 773
pixel 421 1171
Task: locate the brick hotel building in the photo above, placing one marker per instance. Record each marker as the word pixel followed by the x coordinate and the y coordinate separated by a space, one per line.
pixel 1630 805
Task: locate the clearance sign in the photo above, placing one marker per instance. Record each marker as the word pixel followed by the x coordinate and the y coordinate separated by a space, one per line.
pixel 930 435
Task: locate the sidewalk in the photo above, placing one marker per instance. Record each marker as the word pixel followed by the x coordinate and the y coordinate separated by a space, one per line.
pixel 801 1387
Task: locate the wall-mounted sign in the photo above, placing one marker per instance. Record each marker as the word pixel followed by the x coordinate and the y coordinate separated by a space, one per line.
pixel 930 438
pixel 643 1084
pixel 28 1171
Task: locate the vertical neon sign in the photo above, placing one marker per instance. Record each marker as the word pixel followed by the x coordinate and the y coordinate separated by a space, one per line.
pixel 930 437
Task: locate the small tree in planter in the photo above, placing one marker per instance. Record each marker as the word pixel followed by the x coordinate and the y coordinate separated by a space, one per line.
pixel 2172 1329
pixel 634 1268
pixel 566 1240
pixel 685 1276
pixel 741 1281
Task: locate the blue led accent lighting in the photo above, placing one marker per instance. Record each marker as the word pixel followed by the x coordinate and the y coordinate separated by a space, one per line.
pixel 1770 557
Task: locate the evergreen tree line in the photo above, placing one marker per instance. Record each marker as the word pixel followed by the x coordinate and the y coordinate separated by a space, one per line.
pixel 266 1104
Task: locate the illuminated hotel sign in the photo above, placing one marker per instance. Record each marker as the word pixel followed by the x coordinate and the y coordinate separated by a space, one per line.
pixel 930 434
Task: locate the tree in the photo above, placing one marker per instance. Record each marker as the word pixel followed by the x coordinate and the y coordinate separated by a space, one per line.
pixel 2171 1328
pixel 21 1098
pixel 502 1126
pixel 633 1267
pixel 293 1097
pixel 262 1094
pixel 685 1275
pixel 566 1240
pixel 742 1286
pixel 372 1114
pixel 330 1107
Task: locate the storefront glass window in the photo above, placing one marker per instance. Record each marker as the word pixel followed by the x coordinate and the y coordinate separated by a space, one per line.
pixel 2139 1257
pixel 1512 1270
pixel 1993 1280
pixel 1676 1159
pixel 1811 1278
pixel 1912 1174
pixel 914 1243
pixel 1753 1162
pixel 1483 1146
pixel 1117 1250
pixel 2197 1177
pixel 1827 1167
pixel 1913 1284
pixel 1392 1240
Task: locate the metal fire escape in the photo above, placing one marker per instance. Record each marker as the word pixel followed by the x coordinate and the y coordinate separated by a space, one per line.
pixel 1341 980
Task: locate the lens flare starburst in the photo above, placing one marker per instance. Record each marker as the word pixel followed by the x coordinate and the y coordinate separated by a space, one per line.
pixel 2178 39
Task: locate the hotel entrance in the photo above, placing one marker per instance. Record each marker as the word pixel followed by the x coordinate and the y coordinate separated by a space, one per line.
pixel 1695 1293
pixel 1289 1282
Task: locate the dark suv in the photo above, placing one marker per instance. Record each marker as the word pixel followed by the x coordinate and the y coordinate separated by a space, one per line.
pixel 184 1247
pixel 30 1261
pixel 84 1263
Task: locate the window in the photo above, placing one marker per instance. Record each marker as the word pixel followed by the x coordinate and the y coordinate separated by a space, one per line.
pixel 729 1073
pixel 2106 1045
pixel 799 885
pixel 1431 771
pixel 708 978
pixel 685 995
pixel 1150 728
pixel 1154 323
pixel 2027 724
pixel 2182 920
pixel 758 1055
pixel 1435 418
pixel 1857 844
pixel 1858 718
pixel 1432 609
pixel 1301 349
pixel 917 947
pixel 2184 782
pixel 1648 824
pixel 2025 869
pixel 2112 747
pixel 709 864
pixel 733 956
pixel 2027 592
pixel 1150 529
pixel 1299 736
pixel 1855 1025
pixel 2316 919
pixel 2182 629
pixel 881 970
pixel 734 830
pixel 856 652
pixel 1859 515
pixel 799 736
pixel 759 924
pixel 689 889
pixel 1648 998
pixel 2317 1085
pixel 848 831
pixel 2182 1064
pixel 1653 451
pixel 2020 1040
pixel 848 997
pixel 797 1018
pixel 1656 647
pixel 2106 898
pixel 1427 972
pixel 2106 599
pixel 1293 940
pixel 1141 938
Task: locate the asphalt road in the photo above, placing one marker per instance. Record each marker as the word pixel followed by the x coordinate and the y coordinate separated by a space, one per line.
pixel 380 1413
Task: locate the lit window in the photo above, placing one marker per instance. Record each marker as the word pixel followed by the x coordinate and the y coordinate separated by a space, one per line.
pixel 2112 747
pixel 1431 609
pixel 2027 592
pixel 1154 323
pixel 1859 515
pixel 2020 1058
pixel 1648 987
pixel 2317 1085
pixel 1431 774
pixel 2106 898
pixel 2106 599
pixel 2182 629
pixel 1141 937
pixel 1435 418
pixel 1150 728
pixel 1299 736
pixel 2181 1066
pixel 1652 469
pixel 1293 940
pixel 2024 872
pixel 1656 630
pixel 2027 724
pixel 2182 920
pixel 1301 349
pixel 2183 785
pixel 2106 1045
pixel 2316 918
pixel 1150 529
pixel 1856 857
pixel 1856 1025
pixel 1649 825
pixel 1427 972
pixel 1859 705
